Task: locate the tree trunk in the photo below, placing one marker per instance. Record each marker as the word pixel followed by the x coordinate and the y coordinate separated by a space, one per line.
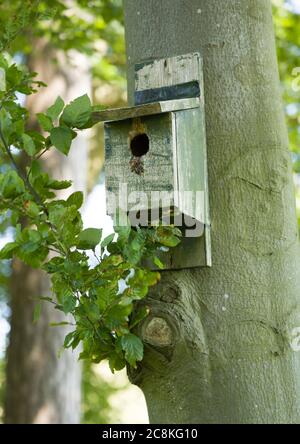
pixel 235 327
pixel 41 386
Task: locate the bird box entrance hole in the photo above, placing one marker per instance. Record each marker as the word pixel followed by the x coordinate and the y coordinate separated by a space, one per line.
pixel 139 145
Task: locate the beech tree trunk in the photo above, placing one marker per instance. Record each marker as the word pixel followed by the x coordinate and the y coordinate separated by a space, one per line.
pixel 43 387
pixel 235 327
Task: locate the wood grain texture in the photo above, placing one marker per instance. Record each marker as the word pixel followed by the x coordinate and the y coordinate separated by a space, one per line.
pixel 111 115
pixel 167 71
pixel 158 172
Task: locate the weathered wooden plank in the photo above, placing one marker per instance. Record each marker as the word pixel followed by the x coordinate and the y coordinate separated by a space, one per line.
pixel 158 174
pixel 190 157
pixel 167 72
pixel 111 115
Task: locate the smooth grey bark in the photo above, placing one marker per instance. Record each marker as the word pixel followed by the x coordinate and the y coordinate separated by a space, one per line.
pixel 233 356
pixel 43 387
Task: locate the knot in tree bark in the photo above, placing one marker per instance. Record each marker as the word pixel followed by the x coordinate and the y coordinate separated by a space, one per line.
pixel 157 332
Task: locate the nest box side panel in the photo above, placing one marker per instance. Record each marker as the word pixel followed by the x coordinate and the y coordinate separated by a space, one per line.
pixel 190 160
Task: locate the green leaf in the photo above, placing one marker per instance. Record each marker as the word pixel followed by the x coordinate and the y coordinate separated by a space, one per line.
pixel 158 263
pixel 69 339
pixel 68 302
pixel 75 199
pixel 54 265
pixel 59 184
pixel 28 145
pixel 61 138
pixel 35 169
pixel 123 233
pixel 133 348
pixel 117 316
pixel 88 239
pixel 32 209
pixel 106 241
pixel 45 122
pixel 45 298
pixel 59 324
pixel 32 254
pixel 116 362
pixel 11 185
pixel 31 249
pixel 8 250
pixel 5 123
pixel 37 313
pixel 54 111
pixel 139 316
pixel 168 236
pixel 77 113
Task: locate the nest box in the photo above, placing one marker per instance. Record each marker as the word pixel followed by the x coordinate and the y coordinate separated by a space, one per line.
pixel 155 155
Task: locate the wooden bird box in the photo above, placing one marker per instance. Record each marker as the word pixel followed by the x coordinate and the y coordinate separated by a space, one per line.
pixel 155 163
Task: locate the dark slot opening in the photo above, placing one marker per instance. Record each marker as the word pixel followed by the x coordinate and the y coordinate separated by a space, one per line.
pixel 139 145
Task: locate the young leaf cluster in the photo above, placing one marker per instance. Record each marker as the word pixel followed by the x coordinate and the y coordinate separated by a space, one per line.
pixel 49 233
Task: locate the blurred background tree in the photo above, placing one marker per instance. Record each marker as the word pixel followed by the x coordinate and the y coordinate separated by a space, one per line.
pixel 94 30
pixel 67 42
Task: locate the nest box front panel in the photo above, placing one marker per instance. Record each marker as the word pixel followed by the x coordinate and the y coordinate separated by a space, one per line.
pixel 139 157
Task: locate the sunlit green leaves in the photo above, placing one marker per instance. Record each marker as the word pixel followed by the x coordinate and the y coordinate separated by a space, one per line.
pixel 77 113
pixel 68 302
pixel 31 247
pixel 45 122
pixel 76 199
pixel 168 236
pixel 28 145
pixel 55 110
pixel 32 209
pixel 116 361
pixel 8 250
pixel 133 348
pixel 107 240
pixel 58 184
pixel 11 185
pixel 141 314
pixel 101 298
pixel 88 239
pixel 61 138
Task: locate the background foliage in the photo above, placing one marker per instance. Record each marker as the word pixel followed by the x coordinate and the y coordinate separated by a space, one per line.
pixel 103 314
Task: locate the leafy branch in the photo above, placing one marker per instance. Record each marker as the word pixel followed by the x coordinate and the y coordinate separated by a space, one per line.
pixel 92 295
